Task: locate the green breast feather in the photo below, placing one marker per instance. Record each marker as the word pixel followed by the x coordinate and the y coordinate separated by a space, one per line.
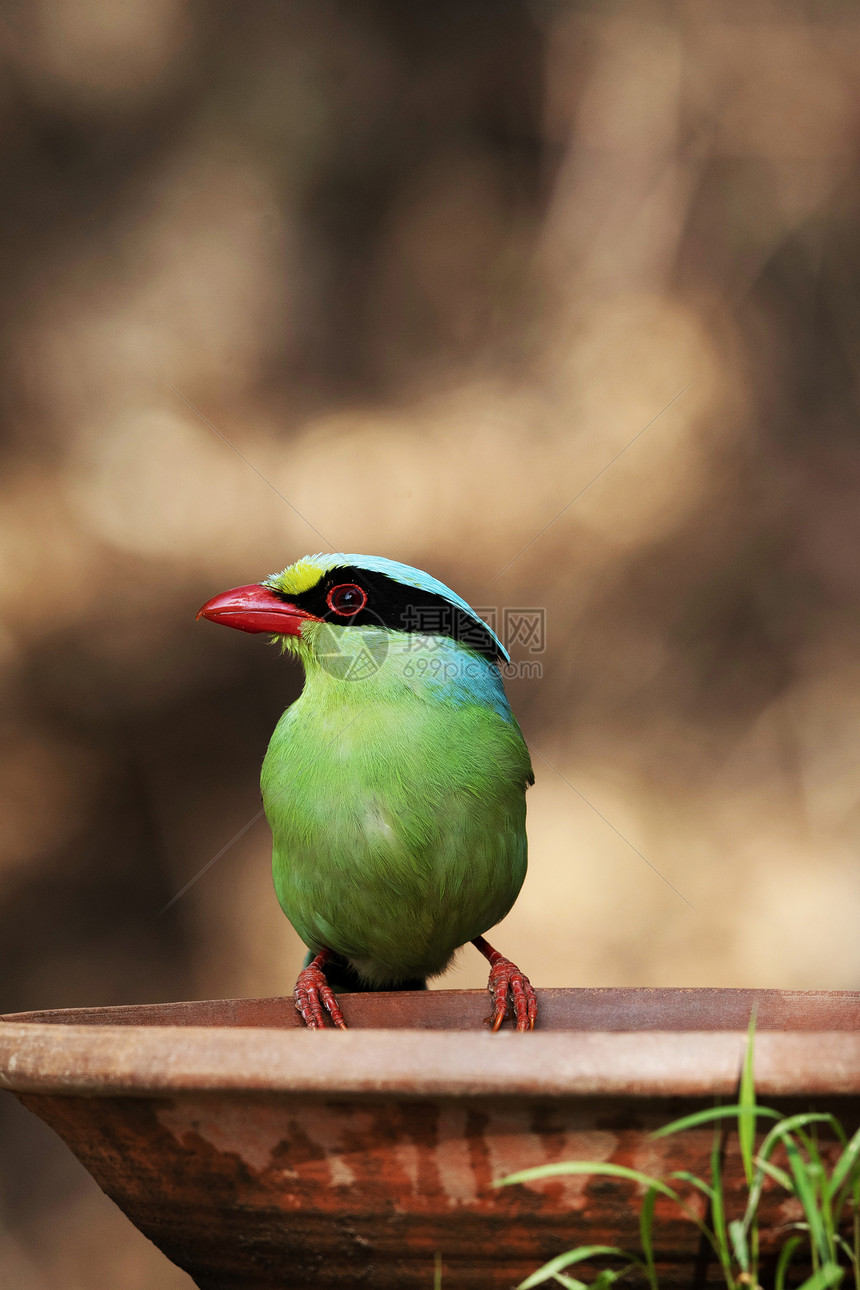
pixel 399 826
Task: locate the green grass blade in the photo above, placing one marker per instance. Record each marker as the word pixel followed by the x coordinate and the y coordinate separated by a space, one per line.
pixel 846 1249
pixel 805 1191
pixel 820 1183
pixel 750 1220
pixel 712 1113
pixel 579 1255
pixel 776 1173
pixel 718 1235
pixel 824 1188
pixel 607 1170
pixel 738 1238
pixel 788 1125
pixel 718 1213
pixel 437 1270
pixel 646 1229
pixel 747 1106
pixel 828 1275
pixel 684 1175
pixel 785 1256
pixel 846 1162
pixel 762 1168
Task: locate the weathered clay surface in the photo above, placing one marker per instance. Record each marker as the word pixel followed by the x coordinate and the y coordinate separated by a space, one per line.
pixel 261 1157
pixel 609 1010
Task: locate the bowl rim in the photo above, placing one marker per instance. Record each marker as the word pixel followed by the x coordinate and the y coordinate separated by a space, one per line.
pixel 105 1058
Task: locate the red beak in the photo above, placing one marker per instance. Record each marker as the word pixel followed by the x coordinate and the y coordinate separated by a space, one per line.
pixel 256 609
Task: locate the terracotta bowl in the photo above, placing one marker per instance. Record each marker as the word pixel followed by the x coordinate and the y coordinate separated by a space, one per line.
pixel 259 1156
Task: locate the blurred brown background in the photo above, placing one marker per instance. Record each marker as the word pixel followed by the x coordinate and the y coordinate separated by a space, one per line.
pixel 428 269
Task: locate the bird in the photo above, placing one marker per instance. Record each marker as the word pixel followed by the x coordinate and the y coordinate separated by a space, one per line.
pixel 394 785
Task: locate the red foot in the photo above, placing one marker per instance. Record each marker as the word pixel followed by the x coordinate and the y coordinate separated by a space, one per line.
pixel 313 992
pixel 504 976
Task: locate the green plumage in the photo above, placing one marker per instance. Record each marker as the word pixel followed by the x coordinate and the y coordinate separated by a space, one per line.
pixel 396 802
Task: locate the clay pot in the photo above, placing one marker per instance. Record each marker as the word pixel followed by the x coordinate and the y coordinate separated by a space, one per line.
pixel 259 1156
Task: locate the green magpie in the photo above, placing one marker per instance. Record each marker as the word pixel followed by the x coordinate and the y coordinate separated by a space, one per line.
pixel 395 784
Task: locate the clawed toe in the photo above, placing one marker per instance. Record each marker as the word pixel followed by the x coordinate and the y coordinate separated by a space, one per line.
pixel 313 993
pixel 505 978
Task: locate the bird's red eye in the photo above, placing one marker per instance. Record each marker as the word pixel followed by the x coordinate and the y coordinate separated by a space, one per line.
pixel 346 599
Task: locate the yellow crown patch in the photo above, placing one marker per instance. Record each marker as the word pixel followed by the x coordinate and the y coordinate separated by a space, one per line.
pixel 298 577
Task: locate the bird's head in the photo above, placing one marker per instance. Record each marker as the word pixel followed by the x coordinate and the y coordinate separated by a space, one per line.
pixel 347 612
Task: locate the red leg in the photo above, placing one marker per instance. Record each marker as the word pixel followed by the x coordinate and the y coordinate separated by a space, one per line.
pixel 313 992
pixel 504 976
